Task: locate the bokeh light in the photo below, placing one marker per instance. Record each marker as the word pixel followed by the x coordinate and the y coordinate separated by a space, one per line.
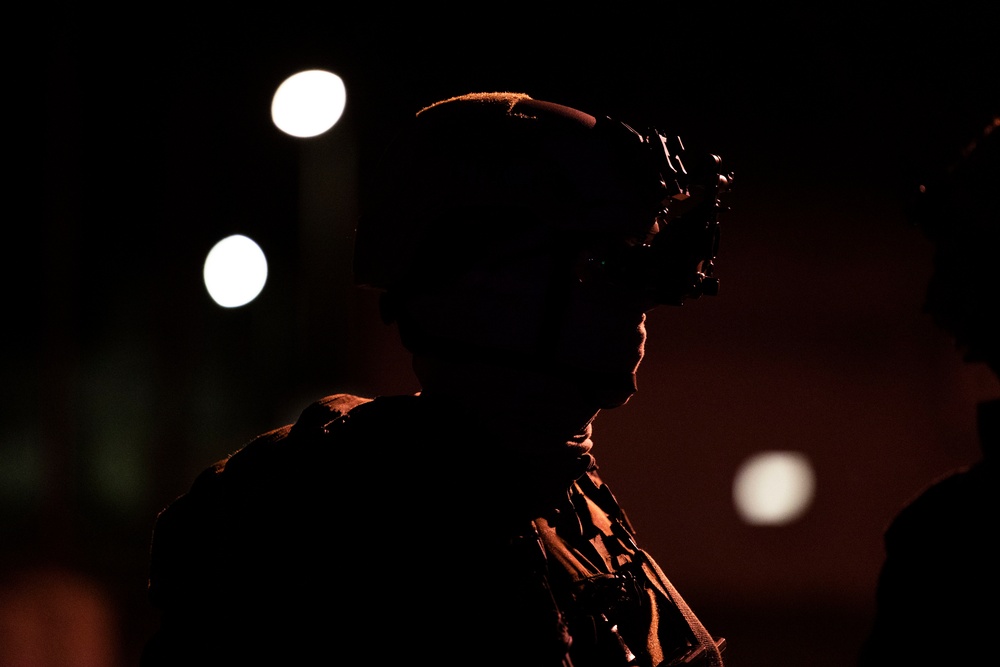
pixel 235 271
pixel 774 488
pixel 308 103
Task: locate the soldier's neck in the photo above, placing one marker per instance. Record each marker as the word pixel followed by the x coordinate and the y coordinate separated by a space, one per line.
pixel 506 397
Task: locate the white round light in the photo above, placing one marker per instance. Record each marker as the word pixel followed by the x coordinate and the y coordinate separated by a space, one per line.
pixel 774 488
pixel 308 103
pixel 235 271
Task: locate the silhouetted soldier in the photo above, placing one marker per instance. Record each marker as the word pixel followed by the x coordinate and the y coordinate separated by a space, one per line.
pixel 938 585
pixel 518 245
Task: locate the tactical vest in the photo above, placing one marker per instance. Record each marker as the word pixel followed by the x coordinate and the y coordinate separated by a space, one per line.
pixel 336 536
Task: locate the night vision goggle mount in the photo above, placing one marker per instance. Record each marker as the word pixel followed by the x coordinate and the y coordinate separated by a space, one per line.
pixel 675 261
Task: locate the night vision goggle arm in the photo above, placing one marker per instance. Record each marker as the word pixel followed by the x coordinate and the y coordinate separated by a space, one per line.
pixel 678 261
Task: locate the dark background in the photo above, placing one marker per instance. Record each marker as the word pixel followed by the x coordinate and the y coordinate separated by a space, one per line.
pixel 139 144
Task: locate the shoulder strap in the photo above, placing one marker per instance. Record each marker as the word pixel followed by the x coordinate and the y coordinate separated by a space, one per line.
pixel 703 648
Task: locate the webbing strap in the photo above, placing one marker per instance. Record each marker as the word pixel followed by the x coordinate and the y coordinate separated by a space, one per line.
pixel 708 651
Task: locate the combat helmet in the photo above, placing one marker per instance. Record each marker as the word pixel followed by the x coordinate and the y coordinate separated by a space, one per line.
pixel 486 174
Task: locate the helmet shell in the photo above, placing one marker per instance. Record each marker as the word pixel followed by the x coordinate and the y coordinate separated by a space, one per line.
pixel 486 173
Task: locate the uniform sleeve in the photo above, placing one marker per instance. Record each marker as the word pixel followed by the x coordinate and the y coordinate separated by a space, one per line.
pixel 242 543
